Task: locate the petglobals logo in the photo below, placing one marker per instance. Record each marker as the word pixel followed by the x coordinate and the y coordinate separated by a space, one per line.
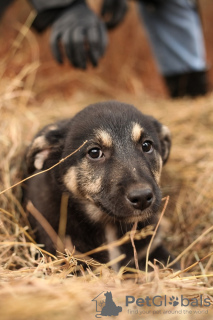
pixel 163 301
pixel 159 304
pixel 105 306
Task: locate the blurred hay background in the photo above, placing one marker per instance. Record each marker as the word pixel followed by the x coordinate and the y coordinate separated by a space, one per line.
pixel 34 91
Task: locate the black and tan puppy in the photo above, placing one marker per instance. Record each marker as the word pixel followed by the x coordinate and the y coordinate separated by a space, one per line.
pixel 112 181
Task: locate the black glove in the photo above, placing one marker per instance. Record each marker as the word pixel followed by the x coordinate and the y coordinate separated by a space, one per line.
pixel 81 33
pixel 113 12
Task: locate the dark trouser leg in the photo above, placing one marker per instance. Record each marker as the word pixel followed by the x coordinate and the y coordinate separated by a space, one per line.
pixel 175 32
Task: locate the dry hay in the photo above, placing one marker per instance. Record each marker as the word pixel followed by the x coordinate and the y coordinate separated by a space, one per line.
pixel 60 287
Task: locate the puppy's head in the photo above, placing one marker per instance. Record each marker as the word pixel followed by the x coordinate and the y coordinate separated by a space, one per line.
pixel 117 173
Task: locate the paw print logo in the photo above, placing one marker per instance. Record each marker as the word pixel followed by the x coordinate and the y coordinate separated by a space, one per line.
pixel 174 301
pixel 101 303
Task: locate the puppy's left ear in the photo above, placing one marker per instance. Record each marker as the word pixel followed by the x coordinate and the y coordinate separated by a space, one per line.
pixel 165 140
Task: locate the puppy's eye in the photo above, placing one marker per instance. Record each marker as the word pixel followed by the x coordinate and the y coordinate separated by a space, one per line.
pixel 147 146
pixel 95 153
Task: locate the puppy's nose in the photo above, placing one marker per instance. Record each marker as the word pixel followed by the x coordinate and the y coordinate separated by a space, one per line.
pixel 140 198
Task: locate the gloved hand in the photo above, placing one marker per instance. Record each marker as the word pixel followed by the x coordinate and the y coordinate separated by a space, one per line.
pixel 82 35
pixel 113 12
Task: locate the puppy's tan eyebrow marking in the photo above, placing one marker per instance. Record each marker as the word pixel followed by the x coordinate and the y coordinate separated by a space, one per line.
pixel 137 130
pixel 104 137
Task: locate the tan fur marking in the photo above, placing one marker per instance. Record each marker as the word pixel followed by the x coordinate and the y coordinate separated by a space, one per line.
pixel 165 131
pixel 52 127
pixel 135 218
pixel 84 166
pixel 40 146
pixel 91 184
pixel 40 158
pixel 104 137
pixel 70 180
pixel 136 132
pixel 39 143
pixel 94 213
pixel 114 252
pixel 157 172
pixel 94 186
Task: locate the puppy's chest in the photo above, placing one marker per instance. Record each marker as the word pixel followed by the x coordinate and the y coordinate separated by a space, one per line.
pixel 122 253
pixel 87 236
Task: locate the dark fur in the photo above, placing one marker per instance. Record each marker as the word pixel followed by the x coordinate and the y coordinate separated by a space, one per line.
pixel 124 168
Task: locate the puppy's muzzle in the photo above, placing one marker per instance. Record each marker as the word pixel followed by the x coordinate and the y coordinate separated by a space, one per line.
pixel 140 198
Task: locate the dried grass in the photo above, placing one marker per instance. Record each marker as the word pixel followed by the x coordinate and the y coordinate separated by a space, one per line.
pixel 60 287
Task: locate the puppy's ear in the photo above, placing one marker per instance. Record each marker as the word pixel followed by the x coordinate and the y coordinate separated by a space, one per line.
pixel 165 139
pixel 166 142
pixel 48 142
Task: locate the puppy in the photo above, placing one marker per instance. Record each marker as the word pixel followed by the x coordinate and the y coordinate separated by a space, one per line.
pixel 112 181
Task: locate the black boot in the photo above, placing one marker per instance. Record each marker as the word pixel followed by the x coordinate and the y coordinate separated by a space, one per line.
pixel 190 84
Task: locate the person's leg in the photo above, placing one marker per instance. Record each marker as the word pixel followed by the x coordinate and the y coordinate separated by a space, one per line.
pixel 175 33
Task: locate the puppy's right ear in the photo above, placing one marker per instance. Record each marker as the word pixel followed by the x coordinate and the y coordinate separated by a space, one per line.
pixel 49 141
